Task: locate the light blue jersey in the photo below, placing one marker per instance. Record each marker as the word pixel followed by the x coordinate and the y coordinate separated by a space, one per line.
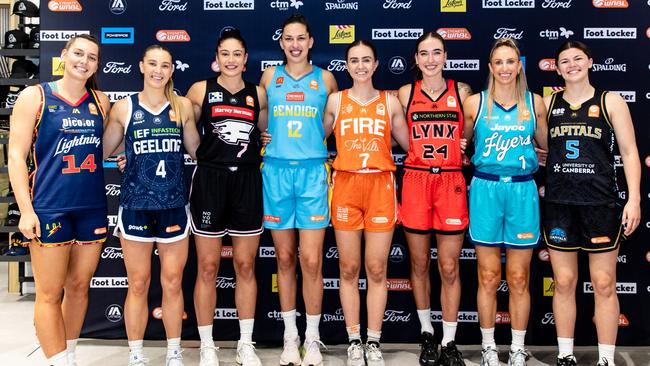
pixel 296 116
pixel 504 144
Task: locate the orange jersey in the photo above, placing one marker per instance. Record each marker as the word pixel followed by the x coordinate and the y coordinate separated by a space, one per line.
pixel 363 134
pixel 436 127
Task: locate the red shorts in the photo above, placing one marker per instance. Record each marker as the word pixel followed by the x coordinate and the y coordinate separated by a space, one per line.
pixel 363 201
pixel 433 201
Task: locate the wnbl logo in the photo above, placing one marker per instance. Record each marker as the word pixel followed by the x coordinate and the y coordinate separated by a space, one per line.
pixel 117 7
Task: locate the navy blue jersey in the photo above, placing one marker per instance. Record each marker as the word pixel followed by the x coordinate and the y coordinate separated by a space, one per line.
pixel 66 172
pixel 154 174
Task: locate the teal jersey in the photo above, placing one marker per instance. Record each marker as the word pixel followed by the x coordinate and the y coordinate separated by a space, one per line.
pixel 504 144
pixel 296 116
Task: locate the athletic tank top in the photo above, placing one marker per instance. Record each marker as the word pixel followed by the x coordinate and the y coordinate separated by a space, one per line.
pixel 581 145
pixel 66 170
pixel 363 134
pixel 436 127
pixel 296 116
pixel 154 175
pixel 229 122
pixel 504 145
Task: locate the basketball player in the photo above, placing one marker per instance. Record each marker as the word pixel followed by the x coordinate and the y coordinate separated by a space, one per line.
pixel 295 182
pixel 153 203
pixel 434 193
pixel 59 126
pixel 587 126
pixel 363 199
pixel 226 194
pixel 504 121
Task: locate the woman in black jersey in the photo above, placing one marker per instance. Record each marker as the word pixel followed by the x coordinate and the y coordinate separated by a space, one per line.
pixel 226 194
pixel 585 126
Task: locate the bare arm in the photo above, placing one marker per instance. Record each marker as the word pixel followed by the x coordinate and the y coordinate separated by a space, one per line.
pixel 464 91
pixel 114 131
pixel 267 75
pixel 263 120
pixel 403 95
pixel 330 82
pixel 541 132
pixel 23 121
pixel 329 115
pixel 196 95
pixel 619 115
pixel 398 126
pixel 106 105
pixel 191 137
pixel 470 107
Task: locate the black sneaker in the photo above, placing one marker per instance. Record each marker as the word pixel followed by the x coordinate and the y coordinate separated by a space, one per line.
pixel 569 360
pixel 429 350
pixel 450 355
pixel 603 362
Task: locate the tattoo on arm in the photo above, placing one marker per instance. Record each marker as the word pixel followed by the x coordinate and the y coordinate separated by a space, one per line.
pixel 466 88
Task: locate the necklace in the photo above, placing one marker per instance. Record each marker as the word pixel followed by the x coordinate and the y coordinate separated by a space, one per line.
pixel 505 104
pixel 433 91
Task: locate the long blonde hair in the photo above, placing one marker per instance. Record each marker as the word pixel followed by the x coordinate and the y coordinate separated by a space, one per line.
pixel 521 86
pixel 171 96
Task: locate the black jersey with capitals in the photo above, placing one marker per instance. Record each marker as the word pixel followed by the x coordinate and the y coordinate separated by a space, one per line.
pixel 581 144
pixel 229 123
pixel 154 175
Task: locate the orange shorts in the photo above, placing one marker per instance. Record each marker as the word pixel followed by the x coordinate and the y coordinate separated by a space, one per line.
pixel 363 201
pixel 433 201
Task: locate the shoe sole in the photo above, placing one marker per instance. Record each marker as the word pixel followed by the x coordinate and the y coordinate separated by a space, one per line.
pixel 291 363
pixel 312 364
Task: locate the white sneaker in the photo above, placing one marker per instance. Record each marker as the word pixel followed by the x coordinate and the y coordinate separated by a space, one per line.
pixel 246 354
pixel 174 359
pixel 72 359
pixel 312 352
pixel 290 354
pixel 518 358
pixel 355 354
pixel 209 356
pixel 490 357
pixel 137 360
pixel 373 354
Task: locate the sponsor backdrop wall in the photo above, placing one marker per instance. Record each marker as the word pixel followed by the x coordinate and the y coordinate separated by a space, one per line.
pixel 617 31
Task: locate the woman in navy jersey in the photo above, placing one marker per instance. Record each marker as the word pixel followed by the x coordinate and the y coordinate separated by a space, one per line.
pixel 433 192
pixel 154 125
pixel 295 182
pixel 226 194
pixel 58 126
pixel 587 126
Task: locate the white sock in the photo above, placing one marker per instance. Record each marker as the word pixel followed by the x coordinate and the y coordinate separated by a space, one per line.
pixel 425 320
pixel 354 333
pixel 487 338
pixel 173 346
pixel 448 332
pixel 135 347
pixel 205 334
pixel 71 345
pixel 374 335
pixel 59 359
pixel 518 340
pixel 290 328
pixel 565 347
pixel 246 330
pixel 312 326
pixel 606 351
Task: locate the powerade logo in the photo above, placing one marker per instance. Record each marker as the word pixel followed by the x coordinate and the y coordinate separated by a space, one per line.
pixel 114 313
pixel 228 4
pixel 621 288
pixel 118 35
pixel 117 7
pixel 501 4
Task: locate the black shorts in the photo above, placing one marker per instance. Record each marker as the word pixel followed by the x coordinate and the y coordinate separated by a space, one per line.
pixel 593 229
pixel 226 200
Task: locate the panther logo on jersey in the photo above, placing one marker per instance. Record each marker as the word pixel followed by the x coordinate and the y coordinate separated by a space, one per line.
pixel 233 132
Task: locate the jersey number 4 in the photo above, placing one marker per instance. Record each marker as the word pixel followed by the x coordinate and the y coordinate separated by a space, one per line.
pixel 72 168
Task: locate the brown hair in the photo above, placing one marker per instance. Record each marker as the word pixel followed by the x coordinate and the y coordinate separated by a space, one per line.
pixel 430 34
pixel 91 83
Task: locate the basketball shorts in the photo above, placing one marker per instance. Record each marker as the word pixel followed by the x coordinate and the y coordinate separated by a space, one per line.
pixel 160 226
pixel 433 201
pixel 504 211
pixel 226 200
pixel 295 194
pixel 73 227
pixel 363 201
pixel 577 227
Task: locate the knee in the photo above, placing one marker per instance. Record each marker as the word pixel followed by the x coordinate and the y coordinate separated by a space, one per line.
pixel 565 282
pixel 448 271
pixel 245 270
pixel 349 272
pixel 604 285
pixel 420 266
pixel 286 261
pixel 310 266
pixel 139 286
pixel 172 282
pixel 489 279
pixel 77 286
pixel 208 271
pixel 376 272
pixel 50 297
pixel 518 282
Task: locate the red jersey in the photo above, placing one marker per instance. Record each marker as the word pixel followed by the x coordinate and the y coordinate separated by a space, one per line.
pixel 363 134
pixel 436 127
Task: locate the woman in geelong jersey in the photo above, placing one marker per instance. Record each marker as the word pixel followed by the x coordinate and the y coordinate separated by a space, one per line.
pixel 59 126
pixel 226 194
pixel 154 125
pixel 434 193
pixel 587 125
pixel 504 121
pixel 363 120
pixel 295 182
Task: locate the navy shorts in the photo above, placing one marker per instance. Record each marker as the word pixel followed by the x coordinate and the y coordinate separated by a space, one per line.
pixel 160 226
pixel 74 227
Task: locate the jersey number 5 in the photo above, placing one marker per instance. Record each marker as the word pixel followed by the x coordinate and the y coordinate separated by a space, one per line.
pixel 573 152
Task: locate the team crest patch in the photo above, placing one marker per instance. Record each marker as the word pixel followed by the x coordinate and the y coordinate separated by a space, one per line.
pixel 381 109
pixel 279 80
pixel 451 102
pixel 557 235
pixel 250 101
pixel 594 111
pixel 313 85
pixel 100 230
pixel 92 108
pixel 601 240
pixel 526 115
pixel 215 97
pixel 172 229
